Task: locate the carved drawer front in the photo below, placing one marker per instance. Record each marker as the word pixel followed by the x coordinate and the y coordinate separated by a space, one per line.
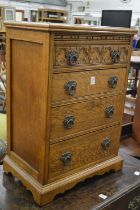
pixel 83 150
pixel 66 86
pixel 79 55
pixel 76 117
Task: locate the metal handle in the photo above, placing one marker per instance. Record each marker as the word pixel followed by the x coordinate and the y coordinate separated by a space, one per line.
pixel 106 143
pixel 70 87
pixel 115 54
pixel 69 122
pixel 112 82
pixel 72 57
pixel 66 157
pixel 109 111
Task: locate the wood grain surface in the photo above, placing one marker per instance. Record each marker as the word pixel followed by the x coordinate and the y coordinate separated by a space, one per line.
pixel 87 114
pixel 85 85
pixel 90 151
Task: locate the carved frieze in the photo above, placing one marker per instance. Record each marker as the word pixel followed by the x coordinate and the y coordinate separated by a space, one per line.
pixel 94 36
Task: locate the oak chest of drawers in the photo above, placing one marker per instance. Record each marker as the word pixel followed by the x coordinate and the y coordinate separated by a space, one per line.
pixel 66 88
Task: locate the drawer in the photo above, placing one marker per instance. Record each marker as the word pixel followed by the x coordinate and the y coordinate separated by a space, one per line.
pixel 76 117
pixel 76 55
pixel 80 151
pixel 66 86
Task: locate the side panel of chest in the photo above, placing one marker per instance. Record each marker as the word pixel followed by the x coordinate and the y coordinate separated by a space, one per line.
pixel 27 84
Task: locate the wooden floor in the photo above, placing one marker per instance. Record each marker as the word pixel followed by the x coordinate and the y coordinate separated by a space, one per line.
pixel 85 196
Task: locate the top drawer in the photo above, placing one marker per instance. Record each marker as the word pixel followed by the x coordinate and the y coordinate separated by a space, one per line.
pixel 80 50
pixel 74 56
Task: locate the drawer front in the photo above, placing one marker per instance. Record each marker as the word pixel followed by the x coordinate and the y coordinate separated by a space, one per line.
pixel 68 56
pixel 82 150
pixel 76 117
pixel 66 86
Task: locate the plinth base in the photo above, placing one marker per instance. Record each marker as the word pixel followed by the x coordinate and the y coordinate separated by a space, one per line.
pixel 43 194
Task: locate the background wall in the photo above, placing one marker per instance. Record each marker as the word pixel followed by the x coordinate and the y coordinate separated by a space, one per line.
pixel 96 6
pixel 134 5
pixel 114 4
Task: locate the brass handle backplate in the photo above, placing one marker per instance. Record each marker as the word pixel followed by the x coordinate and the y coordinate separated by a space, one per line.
pixel 70 87
pixel 72 57
pixel 115 55
pixel 109 111
pixel 69 122
pixel 66 157
pixel 106 143
pixel 112 82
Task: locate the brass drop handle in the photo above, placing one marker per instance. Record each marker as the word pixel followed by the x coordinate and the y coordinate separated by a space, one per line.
pixel 112 82
pixel 69 122
pixel 109 111
pixel 106 143
pixel 66 158
pixel 115 55
pixel 70 87
pixel 72 57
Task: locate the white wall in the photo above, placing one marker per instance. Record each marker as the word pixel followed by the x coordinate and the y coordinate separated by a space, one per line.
pixel 96 6
pixel 115 4
pixel 134 5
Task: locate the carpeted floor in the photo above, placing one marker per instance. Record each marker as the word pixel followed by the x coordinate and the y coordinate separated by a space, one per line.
pixel 3 131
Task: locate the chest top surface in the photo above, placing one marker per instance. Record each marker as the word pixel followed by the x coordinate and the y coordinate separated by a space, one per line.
pixel 68 27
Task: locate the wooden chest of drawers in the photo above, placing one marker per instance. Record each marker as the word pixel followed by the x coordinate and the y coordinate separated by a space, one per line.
pixel 66 87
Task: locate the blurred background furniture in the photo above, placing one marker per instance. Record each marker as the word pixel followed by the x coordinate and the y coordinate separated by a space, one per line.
pixel 135 64
pixel 20 15
pixel 2 73
pixel 51 15
pixel 3 92
pixel 131 93
pixel 136 121
pixel 3 130
pixel 33 16
pixel 6 14
pixel 3 149
pixel 131 122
